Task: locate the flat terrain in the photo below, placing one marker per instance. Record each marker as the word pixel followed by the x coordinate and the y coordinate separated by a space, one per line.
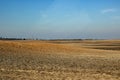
pixel 60 60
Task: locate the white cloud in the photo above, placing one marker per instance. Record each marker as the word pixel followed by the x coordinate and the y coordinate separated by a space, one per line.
pixel 108 10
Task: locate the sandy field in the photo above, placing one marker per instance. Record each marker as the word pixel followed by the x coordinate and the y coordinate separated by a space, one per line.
pixel 60 60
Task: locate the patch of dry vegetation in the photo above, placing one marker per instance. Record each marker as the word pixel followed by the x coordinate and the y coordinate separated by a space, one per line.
pixel 41 60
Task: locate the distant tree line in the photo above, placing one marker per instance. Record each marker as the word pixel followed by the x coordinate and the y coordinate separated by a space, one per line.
pixel 2 38
pixel 65 39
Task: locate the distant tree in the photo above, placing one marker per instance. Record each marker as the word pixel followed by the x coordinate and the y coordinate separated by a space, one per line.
pixel 37 39
pixel 23 39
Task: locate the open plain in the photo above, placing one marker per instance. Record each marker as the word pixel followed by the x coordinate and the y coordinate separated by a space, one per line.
pixel 60 60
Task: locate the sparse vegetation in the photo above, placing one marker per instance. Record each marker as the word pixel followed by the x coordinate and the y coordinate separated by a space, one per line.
pixel 49 60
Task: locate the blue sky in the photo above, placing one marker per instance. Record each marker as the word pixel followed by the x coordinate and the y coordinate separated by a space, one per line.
pixel 57 19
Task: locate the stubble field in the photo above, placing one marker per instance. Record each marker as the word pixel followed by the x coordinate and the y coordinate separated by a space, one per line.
pixel 60 60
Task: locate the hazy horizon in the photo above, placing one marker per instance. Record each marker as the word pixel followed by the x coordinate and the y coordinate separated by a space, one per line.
pixel 60 19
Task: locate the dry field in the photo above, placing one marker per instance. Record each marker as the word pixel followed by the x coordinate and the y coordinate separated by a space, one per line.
pixel 60 60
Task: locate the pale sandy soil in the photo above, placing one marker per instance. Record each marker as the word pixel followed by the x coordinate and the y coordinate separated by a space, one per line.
pixel 60 60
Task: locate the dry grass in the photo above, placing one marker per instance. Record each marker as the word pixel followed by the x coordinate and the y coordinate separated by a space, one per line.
pixel 51 60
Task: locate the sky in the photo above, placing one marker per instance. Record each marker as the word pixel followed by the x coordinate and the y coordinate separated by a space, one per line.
pixel 60 19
